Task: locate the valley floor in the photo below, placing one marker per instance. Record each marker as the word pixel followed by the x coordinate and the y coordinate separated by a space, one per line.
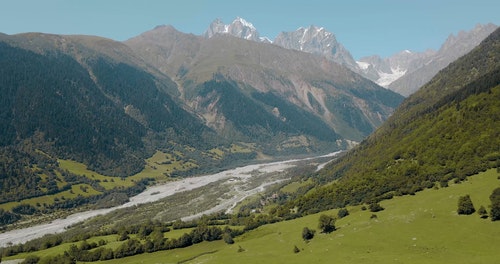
pixel 423 228
pixel 239 183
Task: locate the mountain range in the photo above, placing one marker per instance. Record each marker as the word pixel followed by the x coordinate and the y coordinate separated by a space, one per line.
pixel 401 183
pixel 417 68
pixel 211 102
pixel 283 80
pixel 404 72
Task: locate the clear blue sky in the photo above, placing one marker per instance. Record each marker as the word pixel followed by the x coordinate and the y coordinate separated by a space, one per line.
pixel 364 27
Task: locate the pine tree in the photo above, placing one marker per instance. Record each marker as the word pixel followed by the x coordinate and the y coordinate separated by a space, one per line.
pixel 465 205
pixel 495 205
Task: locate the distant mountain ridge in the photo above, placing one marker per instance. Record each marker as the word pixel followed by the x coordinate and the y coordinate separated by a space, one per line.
pixel 176 95
pixel 412 69
pixel 386 71
pixel 312 39
pixel 427 64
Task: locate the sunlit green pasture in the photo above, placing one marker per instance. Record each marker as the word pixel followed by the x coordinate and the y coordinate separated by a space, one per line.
pixel 77 189
pixel 158 167
pixel 294 186
pixel 423 228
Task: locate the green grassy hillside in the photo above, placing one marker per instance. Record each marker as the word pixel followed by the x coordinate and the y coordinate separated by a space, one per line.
pixel 423 228
pixel 447 130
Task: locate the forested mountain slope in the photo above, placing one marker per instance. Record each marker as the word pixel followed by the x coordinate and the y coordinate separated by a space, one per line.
pixel 89 100
pixel 96 110
pixel 447 130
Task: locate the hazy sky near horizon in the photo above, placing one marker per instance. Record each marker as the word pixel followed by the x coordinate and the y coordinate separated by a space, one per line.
pixel 364 27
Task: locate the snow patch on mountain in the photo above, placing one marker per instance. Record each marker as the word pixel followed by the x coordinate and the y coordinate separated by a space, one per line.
pixel 316 40
pixel 363 65
pixel 387 78
pixel 239 28
pixel 244 23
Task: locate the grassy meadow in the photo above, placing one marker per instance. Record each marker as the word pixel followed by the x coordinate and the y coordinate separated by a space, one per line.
pixel 423 228
pixel 159 167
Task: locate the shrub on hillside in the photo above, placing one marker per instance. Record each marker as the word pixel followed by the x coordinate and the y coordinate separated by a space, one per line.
pixel 296 249
pixel 465 205
pixel 342 213
pixel 326 223
pixel 495 205
pixel 31 259
pixel 307 234
pixel 7 217
pixel 482 212
pixel 24 209
pixel 375 207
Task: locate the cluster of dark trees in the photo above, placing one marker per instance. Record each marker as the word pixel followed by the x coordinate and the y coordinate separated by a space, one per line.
pixel 102 200
pixel 52 94
pixel 466 207
pixel 495 205
pixel 7 217
pixel 326 225
pixel 150 240
pixel 148 237
pixel 20 177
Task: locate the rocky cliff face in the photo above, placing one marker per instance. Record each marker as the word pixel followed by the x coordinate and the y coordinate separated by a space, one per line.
pixel 266 74
pixel 313 39
pixel 316 40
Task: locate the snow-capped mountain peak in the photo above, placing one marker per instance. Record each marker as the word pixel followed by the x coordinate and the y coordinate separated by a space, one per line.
pixel 244 23
pixel 239 28
pixel 316 40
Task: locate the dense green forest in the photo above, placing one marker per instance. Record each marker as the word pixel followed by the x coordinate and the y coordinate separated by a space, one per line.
pixel 53 100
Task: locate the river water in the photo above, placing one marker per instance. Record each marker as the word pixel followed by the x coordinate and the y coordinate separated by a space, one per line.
pixel 152 194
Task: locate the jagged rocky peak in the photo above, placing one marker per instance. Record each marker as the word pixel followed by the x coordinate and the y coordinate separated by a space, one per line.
pixel 421 65
pixel 423 68
pixel 465 39
pixel 239 28
pixel 308 39
pixel 316 40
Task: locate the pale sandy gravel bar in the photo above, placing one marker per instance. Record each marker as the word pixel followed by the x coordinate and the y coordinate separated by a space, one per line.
pixel 151 194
